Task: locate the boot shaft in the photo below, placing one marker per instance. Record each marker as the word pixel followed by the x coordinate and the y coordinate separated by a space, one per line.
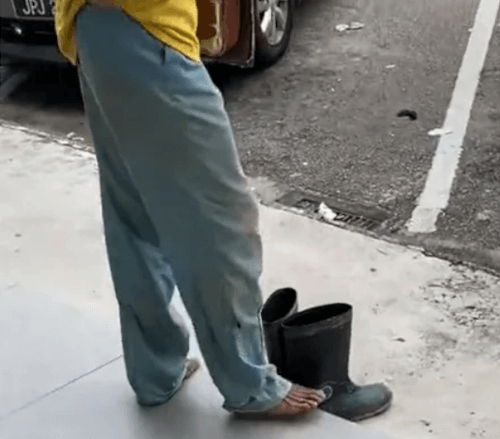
pixel 316 345
pixel 279 306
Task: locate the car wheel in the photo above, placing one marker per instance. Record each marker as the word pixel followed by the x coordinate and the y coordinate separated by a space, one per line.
pixel 274 22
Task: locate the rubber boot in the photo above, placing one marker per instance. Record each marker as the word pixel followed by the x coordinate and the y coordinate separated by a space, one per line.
pixel 279 306
pixel 317 344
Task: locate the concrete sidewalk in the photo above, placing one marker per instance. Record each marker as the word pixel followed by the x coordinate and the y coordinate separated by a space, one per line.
pixel 430 329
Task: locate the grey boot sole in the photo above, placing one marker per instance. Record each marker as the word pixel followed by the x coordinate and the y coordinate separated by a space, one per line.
pixel 377 412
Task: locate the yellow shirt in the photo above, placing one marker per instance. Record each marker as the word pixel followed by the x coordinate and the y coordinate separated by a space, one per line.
pixel 173 22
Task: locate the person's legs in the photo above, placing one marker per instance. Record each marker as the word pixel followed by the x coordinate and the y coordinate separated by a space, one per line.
pixel 184 192
pixel 155 340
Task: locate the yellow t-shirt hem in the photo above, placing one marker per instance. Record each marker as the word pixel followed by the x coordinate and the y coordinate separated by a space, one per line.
pixel 187 44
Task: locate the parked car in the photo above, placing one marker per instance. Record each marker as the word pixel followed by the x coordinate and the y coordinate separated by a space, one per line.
pixel 238 32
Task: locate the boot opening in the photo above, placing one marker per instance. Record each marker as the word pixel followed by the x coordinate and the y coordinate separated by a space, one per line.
pixel 279 304
pixel 318 314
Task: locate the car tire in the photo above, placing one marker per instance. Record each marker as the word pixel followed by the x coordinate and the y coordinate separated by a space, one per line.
pixel 268 51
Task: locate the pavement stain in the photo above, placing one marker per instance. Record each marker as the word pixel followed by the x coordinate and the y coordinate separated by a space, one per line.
pixel 472 301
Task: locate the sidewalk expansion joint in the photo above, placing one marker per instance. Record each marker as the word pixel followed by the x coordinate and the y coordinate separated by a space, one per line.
pixel 57 389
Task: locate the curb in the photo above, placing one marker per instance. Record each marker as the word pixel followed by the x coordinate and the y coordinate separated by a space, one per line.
pixel 470 255
pixel 47 137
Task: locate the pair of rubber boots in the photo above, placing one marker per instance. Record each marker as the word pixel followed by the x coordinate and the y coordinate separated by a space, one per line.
pixel 311 348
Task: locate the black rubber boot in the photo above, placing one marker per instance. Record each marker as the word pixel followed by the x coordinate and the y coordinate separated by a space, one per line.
pixel 317 344
pixel 279 306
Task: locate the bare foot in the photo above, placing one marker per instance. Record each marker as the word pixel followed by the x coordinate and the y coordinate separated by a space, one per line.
pixel 298 402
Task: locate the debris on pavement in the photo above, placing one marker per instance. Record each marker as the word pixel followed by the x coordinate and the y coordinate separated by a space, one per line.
pixel 410 114
pixel 355 25
pixel 326 213
pixel 440 132
pixel 73 137
pixel 485 216
pixel 342 27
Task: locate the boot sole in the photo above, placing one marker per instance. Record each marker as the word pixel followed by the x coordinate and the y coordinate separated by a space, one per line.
pixel 379 411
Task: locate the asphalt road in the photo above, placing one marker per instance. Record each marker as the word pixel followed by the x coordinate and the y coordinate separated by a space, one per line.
pixel 325 118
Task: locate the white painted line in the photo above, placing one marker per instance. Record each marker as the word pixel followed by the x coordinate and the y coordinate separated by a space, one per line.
pixel 434 199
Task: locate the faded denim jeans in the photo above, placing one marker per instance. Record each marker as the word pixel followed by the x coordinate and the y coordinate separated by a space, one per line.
pixel 177 212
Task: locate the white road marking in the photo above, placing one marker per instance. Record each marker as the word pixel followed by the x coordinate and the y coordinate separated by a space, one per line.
pixel 434 199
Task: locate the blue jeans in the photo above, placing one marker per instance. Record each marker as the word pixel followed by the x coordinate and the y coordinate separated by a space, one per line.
pixel 177 212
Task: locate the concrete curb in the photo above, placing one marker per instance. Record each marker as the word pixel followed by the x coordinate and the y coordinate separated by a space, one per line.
pixel 471 255
pixel 60 140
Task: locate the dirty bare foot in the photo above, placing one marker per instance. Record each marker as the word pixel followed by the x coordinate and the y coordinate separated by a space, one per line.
pixel 300 401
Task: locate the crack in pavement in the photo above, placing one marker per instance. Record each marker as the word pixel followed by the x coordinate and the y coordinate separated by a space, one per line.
pixel 57 389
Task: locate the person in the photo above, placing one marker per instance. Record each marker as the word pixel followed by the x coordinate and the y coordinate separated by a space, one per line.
pixel 176 207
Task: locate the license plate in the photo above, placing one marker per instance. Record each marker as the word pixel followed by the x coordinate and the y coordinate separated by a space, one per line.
pixel 34 8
